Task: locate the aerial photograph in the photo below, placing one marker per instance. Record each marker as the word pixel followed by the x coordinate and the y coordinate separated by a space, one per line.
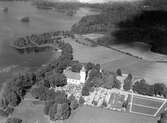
pixel 83 61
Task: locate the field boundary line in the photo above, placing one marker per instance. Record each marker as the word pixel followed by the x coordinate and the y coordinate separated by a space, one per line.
pixel 131 101
pixel 142 113
pixel 160 108
pixel 144 96
pixel 151 97
pixel 145 106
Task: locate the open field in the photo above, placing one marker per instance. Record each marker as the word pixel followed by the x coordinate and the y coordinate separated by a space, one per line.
pixel 30 113
pixel 143 110
pixel 88 114
pixel 98 54
pixel 2 120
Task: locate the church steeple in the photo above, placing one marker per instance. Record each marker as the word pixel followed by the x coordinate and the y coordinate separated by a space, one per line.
pixel 83 75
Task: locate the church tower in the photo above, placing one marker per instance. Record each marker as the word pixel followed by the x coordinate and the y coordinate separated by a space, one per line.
pixel 82 75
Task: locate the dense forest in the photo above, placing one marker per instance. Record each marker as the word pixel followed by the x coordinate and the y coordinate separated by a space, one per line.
pixel 149 27
pixel 109 16
pixel 129 22
pixel 69 8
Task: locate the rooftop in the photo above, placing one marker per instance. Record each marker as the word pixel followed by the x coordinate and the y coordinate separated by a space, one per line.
pixel 72 75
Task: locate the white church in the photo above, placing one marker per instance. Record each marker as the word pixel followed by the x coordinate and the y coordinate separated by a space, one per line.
pixel 74 77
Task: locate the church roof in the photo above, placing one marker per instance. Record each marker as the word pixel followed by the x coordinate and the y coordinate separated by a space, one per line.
pixel 72 75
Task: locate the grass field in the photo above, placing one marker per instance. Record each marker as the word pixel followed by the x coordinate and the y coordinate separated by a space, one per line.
pixel 88 114
pixel 98 54
pixel 2 120
pixel 143 110
pixel 30 113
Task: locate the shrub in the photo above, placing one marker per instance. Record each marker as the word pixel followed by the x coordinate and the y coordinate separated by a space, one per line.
pixel 128 83
pixel 58 80
pixel 9 110
pixel 119 72
pixel 59 111
pixel 76 66
pixel 142 87
pixel 116 83
pixel 104 104
pixel 47 107
pixel 159 89
pixel 81 100
pixel 94 102
pixel 74 104
pixel 14 120
pixel 40 92
pixel 3 113
pixel 85 91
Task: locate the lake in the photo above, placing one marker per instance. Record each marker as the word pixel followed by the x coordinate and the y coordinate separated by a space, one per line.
pixel 40 21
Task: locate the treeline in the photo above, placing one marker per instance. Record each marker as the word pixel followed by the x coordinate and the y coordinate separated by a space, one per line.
pixel 40 42
pixel 44 38
pixel 144 88
pixel 149 27
pixel 70 8
pixel 90 24
pixel 129 22
pixel 109 16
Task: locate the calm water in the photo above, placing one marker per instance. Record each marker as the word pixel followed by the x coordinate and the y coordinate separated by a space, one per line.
pixel 11 27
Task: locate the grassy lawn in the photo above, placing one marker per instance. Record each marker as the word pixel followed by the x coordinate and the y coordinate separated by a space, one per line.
pixel 30 113
pixel 144 110
pixel 88 114
pixel 2 120
pixel 98 54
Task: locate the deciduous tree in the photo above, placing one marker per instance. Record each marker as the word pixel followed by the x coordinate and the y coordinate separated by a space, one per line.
pixel 128 83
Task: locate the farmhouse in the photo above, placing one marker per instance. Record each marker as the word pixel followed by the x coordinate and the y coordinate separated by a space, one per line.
pixel 74 77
